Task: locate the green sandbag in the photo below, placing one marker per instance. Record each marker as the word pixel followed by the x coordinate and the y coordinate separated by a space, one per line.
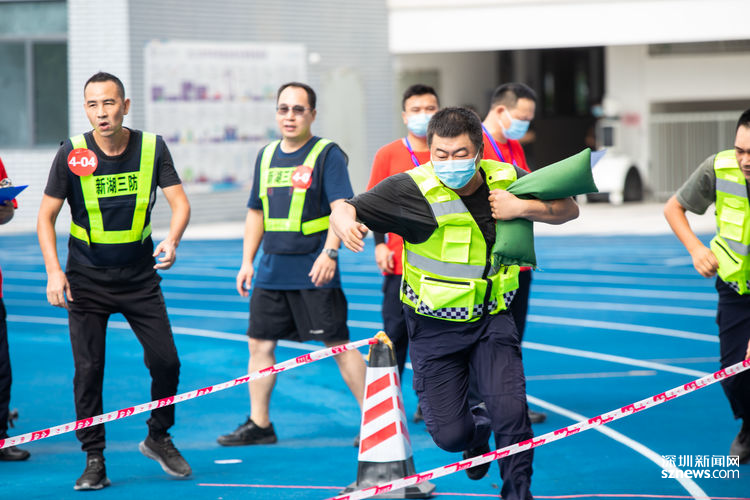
pixel 514 242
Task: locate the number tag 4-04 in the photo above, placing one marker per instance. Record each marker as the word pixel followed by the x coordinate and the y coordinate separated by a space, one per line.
pixel 82 162
pixel 302 177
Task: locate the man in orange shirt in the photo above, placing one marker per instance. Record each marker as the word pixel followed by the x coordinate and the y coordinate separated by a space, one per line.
pixel 419 103
pixel 512 108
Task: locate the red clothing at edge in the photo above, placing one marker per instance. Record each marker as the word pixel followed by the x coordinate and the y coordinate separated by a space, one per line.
pixel 394 158
pixel 511 150
pixel 3 175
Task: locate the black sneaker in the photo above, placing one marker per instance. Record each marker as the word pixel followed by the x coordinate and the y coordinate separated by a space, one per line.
pixel 537 417
pixel 13 454
pixel 163 451
pixel 478 471
pixel 94 477
pixel 418 417
pixel 741 445
pixel 249 433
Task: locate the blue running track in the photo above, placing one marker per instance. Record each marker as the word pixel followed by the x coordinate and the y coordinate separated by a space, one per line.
pixel 612 320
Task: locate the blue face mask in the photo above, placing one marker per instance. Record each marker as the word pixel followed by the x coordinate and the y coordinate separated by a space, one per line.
pixel 517 128
pixel 417 124
pixel 455 173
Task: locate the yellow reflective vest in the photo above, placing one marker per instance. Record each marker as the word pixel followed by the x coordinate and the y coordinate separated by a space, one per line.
pixel 449 276
pixel 731 245
pixel 291 234
pixel 96 187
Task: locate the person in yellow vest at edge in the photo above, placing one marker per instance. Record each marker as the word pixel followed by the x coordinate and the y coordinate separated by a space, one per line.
pixel 296 288
pixel 723 179
pixel 109 177
pixel 454 300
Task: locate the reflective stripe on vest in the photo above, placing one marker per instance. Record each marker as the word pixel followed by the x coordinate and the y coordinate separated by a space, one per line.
pixel 731 245
pixel 293 221
pixel 448 276
pixel 95 187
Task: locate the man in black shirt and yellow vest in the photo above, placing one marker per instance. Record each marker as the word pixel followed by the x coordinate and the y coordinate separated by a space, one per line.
pixel 109 177
pixel 723 179
pixel 455 301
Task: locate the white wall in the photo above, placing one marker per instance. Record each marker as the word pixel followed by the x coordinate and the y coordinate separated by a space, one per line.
pixel 455 70
pixel 527 24
pixel 92 48
pixel 30 167
pixel 636 80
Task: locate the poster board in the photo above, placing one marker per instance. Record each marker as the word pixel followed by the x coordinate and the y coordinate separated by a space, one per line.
pixel 214 104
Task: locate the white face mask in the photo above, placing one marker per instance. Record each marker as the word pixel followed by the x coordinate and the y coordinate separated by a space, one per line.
pixel 517 129
pixel 455 174
pixel 417 124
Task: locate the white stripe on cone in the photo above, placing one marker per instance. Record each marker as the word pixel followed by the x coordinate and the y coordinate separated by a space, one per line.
pixel 383 435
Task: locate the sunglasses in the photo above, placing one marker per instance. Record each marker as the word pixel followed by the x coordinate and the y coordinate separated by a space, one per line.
pixel 297 109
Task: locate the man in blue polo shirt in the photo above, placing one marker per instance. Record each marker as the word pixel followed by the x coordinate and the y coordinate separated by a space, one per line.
pixel 297 291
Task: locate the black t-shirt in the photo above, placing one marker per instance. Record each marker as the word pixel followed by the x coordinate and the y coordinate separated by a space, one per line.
pixel 396 205
pixel 59 186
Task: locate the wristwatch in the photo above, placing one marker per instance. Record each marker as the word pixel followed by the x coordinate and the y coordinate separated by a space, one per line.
pixel 332 253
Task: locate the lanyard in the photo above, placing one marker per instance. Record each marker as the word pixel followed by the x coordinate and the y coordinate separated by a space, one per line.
pixel 497 149
pixel 411 152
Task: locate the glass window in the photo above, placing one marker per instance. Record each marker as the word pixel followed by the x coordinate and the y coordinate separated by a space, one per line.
pixel 33 18
pixel 34 97
pixel 50 92
pixel 14 118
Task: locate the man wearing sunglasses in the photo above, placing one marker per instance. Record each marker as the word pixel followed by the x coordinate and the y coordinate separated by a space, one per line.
pixel 296 294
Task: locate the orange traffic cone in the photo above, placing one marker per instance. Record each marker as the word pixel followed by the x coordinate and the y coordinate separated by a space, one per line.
pixel 385 448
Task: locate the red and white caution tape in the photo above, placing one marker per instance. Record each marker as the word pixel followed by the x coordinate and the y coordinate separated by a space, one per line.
pixel 179 398
pixel 550 436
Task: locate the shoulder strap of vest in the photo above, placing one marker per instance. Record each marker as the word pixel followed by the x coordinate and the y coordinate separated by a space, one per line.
pixel 425 178
pixel 725 160
pixel 265 164
pixel 78 142
pixel 497 171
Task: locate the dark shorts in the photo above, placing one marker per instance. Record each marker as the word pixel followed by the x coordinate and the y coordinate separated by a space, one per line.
pixel 302 315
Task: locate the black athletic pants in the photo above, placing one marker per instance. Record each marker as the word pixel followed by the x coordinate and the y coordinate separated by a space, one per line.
pixel 518 310
pixel 444 354
pixel 733 318
pixel 133 291
pixel 5 375
pixel 393 318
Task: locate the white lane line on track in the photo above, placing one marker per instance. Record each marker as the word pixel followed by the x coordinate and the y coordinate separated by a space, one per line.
pixel 49 320
pixel 623 360
pixel 626 292
pixel 367 324
pixel 687 483
pixel 620 280
pixel 610 306
pixel 704 359
pixel 622 327
pixel 578 376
